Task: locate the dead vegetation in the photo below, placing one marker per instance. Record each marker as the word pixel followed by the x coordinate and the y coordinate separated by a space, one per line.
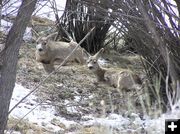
pixel 25 127
pixel 72 87
pixel 143 27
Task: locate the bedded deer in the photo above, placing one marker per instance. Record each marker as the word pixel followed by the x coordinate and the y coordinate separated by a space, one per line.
pixel 48 52
pixel 119 79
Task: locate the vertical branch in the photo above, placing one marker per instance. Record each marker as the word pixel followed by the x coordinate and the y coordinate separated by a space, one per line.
pixel 160 44
pixel 0 11
pixel 9 58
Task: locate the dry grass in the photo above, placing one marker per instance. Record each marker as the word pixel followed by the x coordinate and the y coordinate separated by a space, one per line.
pixel 76 81
pixel 96 130
pixel 25 127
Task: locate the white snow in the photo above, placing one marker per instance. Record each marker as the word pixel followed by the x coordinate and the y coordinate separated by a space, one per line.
pixel 42 10
pixel 5 27
pixel 113 120
pixel 11 7
pixel 47 10
pixel 42 115
pixel 102 61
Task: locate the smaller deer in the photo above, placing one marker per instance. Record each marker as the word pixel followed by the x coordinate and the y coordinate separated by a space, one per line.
pixel 119 79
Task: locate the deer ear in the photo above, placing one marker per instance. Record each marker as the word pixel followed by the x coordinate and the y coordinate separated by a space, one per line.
pixel 99 52
pixel 85 54
pixel 73 43
pixel 38 39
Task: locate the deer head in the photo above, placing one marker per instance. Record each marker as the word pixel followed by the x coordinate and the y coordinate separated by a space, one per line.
pixel 42 43
pixel 92 60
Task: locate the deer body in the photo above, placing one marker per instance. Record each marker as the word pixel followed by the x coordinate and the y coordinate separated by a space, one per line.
pixel 48 52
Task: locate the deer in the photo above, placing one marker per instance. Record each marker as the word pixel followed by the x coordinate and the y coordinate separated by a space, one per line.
pixel 124 79
pixel 49 52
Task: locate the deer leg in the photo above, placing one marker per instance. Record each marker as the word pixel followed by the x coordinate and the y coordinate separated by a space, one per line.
pixel 48 67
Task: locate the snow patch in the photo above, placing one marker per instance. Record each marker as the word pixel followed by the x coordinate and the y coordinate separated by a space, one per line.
pixel 45 9
pixel 6 26
pixel 42 115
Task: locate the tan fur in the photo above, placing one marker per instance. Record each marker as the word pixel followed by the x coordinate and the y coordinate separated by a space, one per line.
pixel 119 79
pixel 53 51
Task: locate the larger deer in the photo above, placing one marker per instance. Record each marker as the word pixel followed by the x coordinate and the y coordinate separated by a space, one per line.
pixel 48 52
pixel 119 79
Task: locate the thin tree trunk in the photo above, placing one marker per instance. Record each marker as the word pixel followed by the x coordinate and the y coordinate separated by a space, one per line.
pixel 0 11
pixel 9 58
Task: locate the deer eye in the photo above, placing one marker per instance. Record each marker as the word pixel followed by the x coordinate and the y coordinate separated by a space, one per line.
pixel 88 61
pixel 44 43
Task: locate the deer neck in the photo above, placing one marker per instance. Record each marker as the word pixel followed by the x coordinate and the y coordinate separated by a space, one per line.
pixel 100 74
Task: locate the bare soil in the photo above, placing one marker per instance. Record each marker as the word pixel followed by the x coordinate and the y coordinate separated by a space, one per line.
pixel 72 90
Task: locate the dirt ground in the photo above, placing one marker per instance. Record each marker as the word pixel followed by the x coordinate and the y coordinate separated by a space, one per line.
pixel 72 90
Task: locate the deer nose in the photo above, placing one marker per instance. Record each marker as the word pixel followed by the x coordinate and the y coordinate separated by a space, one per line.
pixel 40 49
pixel 90 67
